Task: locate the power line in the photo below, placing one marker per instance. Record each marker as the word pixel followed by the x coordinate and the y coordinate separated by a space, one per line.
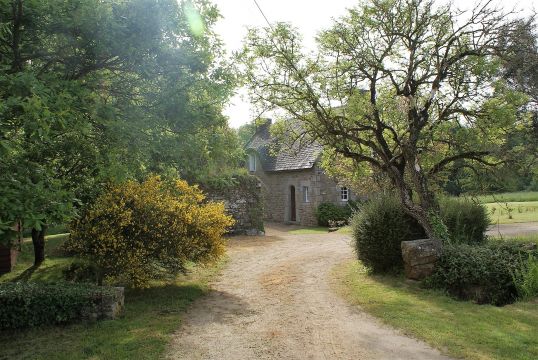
pixel 265 17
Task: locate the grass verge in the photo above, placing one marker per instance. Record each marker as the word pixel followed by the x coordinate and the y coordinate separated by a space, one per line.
pixel 460 329
pixel 143 332
pixel 319 230
pixel 526 238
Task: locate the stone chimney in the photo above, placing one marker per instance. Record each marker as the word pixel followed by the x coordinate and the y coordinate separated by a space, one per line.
pixel 263 125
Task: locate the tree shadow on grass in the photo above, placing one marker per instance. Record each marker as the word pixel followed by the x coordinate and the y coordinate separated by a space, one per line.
pixel 26 274
pixel 150 316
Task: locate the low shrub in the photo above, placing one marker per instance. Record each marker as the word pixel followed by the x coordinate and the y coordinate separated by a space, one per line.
pixel 525 278
pixel 82 272
pixel 378 230
pixel 32 304
pixel 329 212
pixel 483 273
pixel 135 232
pixel 466 221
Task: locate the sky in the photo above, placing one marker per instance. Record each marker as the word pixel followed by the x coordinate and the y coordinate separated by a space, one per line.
pixel 309 16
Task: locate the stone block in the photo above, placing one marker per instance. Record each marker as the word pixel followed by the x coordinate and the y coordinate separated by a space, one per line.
pixel 107 307
pixel 420 257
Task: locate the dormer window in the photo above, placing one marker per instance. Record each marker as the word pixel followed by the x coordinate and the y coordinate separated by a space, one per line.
pixel 251 162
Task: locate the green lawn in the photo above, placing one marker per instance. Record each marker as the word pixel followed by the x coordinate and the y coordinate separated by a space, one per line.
pixel 527 238
pixel 520 196
pixel 49 271
pixel 460 329
pixel 319 230
pixel 513 212
pixel 143 332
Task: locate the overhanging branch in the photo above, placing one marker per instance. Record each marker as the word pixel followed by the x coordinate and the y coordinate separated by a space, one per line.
pixel 471 155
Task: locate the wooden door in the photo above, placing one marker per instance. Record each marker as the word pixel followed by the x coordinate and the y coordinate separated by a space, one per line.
pixel 293 215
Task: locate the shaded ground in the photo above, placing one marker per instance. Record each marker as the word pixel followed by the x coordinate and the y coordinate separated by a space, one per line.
pixel 274 301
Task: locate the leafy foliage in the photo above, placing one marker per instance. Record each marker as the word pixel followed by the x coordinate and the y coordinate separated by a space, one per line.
pixel 525 278
pixel 32 304
pixel 405 88
pixel 82 272
pixel 136 232
pixel 382 224
pixel 378 230
pixel 467 221
pixel 479 273
pixel 93 91
pixel 329 212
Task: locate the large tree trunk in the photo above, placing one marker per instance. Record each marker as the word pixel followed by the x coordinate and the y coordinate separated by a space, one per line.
pixel 38 239
pixel 426 204
pixel 419 212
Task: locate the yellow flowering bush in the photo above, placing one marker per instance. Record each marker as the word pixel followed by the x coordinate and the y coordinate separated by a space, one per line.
pixel 136 232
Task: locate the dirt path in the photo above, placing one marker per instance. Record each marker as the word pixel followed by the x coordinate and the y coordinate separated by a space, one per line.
pixel 517 229
pixel 273 301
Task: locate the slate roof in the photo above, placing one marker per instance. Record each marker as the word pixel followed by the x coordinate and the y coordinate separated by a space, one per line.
pixel 295 157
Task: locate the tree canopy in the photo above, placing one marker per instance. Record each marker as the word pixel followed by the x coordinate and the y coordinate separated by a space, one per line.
pixel 93 91
pixel 407 87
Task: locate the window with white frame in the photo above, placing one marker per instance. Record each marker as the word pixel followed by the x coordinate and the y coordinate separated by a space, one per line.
pixel 306 195
pixel 344 193
pixel 251 162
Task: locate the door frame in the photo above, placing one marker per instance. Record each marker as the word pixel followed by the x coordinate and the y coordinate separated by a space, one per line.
pixel 293 203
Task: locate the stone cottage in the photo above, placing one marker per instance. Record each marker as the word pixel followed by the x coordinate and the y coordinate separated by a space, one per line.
pixel 293 183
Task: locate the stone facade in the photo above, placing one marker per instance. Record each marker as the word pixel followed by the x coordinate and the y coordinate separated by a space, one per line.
pixel 291 180
pixel 276 187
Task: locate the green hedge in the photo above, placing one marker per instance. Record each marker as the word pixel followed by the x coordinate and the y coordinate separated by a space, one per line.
pixel 329 212
pixel 483 273
pixel 382 224
pixel 32 304
pixel 378 229
pixel 467 221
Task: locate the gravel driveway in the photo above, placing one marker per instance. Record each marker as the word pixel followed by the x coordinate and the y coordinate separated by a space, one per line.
pixel 274 301
pixel 517 229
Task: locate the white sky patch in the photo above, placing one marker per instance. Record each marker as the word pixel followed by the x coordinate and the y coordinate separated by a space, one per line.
pixel 308 16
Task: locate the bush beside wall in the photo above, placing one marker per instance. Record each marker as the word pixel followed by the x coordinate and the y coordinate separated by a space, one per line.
pixel 33 304
pixel 467 221
pixel 484 274
pixel 382 224
pixel 136 232
pixel 378 229
pixel 329 212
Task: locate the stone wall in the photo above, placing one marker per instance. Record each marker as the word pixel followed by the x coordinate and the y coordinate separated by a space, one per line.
pixel 107 307
pixel 243 200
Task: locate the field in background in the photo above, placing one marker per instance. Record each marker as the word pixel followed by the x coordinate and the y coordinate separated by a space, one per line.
pixel 512 207
pixel 513 212
pixel 521 196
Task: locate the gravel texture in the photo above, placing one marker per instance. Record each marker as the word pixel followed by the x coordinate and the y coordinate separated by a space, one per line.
pixel 274 301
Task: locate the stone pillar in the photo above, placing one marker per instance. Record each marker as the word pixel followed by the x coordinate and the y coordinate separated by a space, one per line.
pixel 420 257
